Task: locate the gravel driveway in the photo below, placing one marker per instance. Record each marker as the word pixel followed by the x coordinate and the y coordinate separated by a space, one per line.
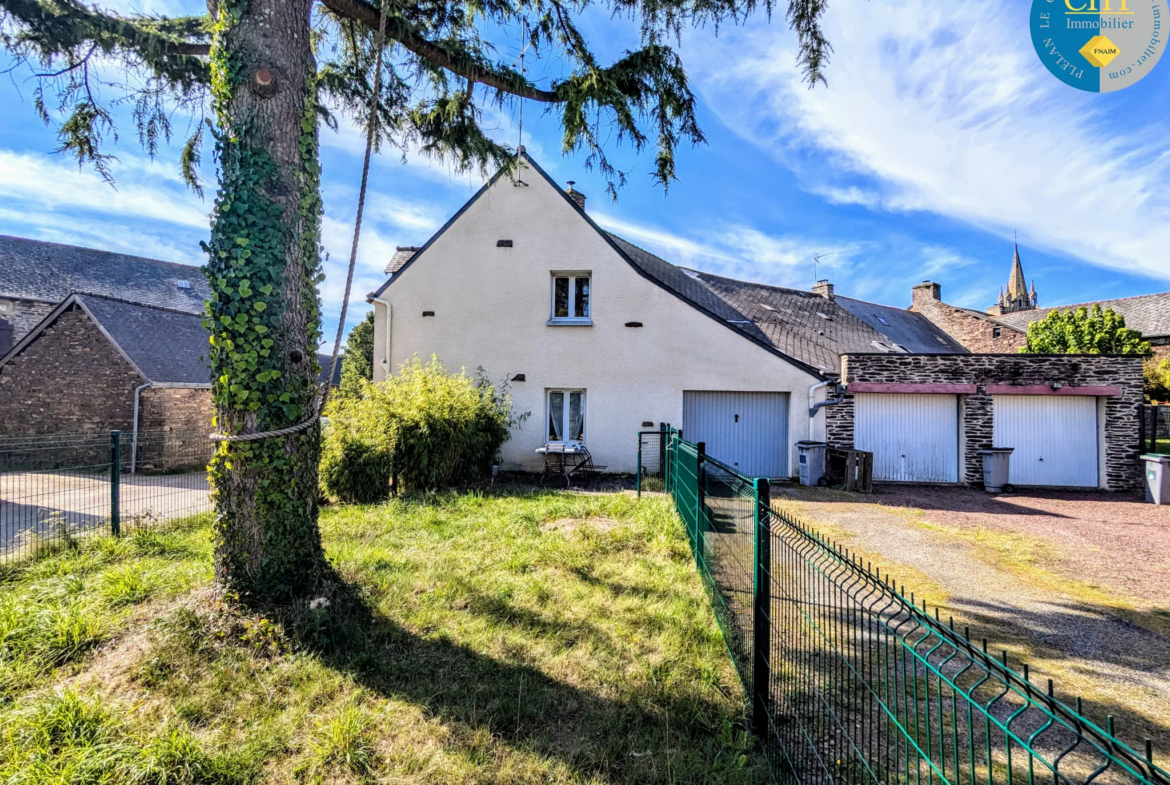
pixel 1075 584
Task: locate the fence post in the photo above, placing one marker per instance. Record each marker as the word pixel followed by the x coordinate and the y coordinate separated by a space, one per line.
pixel 639 480
pixel 700 502
pixel 115 483
pixel 762 610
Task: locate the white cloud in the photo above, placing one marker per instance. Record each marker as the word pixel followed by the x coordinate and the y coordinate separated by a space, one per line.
pixel 945 108
pixel 45 183
pixel 739 251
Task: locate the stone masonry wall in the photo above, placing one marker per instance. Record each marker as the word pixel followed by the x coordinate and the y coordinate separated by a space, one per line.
pixel 974 332
pixel 176 409
pixel 1122 470
pixel 71 379
pixel 24 315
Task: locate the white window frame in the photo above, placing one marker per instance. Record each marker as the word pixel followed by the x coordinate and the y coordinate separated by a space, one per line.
pixel 565 415
pixel 572 275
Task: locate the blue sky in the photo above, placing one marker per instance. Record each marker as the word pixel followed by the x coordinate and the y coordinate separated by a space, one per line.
pixel 938 136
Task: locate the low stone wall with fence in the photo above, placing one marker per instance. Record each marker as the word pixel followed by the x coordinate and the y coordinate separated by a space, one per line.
pixel 1117 379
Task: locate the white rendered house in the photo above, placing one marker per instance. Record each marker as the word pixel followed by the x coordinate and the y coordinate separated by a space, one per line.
pixel 601 339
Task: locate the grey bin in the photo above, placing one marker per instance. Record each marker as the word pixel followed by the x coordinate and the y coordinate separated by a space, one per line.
pixel 1157 478
pixel 811 456
pixel 996 462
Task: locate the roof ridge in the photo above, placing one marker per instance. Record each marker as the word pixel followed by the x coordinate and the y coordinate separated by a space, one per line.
pixel 123 300
pixel 100 250
pixel 1098 302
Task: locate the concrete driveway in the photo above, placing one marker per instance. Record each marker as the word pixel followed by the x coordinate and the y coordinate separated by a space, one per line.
pixel 36 504
pixel 1075 584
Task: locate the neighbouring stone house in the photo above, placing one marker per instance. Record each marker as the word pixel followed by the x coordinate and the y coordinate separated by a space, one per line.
pixel 599 339
pixel 1004 326
pixel 128 356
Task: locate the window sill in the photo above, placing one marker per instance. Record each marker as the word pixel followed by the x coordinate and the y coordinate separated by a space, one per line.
pixel 569 322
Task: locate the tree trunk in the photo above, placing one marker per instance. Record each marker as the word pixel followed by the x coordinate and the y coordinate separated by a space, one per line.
pixel 264 314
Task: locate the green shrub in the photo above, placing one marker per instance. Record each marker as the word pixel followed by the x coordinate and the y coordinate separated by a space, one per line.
pixel 432 428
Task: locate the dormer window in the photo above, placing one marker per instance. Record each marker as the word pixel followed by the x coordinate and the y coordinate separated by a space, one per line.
pixel 571 298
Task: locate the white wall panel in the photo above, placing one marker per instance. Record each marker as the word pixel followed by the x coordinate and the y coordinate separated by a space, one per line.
pixel 745 430
pixel 1055 439
pixel 913 438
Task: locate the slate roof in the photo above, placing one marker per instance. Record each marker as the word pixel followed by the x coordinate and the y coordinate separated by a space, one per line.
pixel 910 330
pixel 48 272
pixel 167 346
pixel 1149 314
pixel 802 325
pixel 402 255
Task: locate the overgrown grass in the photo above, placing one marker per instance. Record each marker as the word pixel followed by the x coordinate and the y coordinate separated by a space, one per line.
pixel 544 637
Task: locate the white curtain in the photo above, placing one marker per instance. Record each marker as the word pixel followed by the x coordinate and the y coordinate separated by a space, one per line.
pixel 576 416
pixel 556 416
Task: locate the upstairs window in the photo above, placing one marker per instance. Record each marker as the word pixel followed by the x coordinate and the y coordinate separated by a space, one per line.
pixel 571 298
pixel 996 332
pixel 566 416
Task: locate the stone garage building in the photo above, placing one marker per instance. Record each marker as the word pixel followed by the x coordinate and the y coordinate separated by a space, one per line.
pixel 1071 419
pixel 94 362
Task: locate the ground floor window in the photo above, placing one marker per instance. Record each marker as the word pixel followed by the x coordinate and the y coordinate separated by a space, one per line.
pixel 566 416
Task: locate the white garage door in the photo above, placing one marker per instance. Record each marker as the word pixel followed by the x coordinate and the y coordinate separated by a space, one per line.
pixel 913 438
pixel 746 430
pixel 1055 439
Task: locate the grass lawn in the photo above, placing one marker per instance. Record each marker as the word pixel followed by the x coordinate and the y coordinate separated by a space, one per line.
pixel 545 637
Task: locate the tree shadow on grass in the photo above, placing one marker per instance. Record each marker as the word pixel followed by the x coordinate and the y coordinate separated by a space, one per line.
pixel 630 734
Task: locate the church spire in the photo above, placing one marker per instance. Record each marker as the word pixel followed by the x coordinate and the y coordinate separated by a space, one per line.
pixel 1016 297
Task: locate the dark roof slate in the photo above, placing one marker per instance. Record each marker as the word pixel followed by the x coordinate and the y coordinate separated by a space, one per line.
pixel 802 325
pixel 167 346
pixel 48 272
pixel 910 330
pixel 1149 314
pixel 402 255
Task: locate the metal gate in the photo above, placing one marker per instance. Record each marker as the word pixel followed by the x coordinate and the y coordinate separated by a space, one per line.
pixel 1055 439
pixel 913 438
pixel 748 430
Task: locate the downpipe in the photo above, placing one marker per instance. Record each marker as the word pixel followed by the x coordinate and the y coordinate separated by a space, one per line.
pixel 813 408
pixel 134 431
pixel 389 313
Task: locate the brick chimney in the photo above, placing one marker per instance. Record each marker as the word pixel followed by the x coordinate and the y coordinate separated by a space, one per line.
pixel 577 197
pixel 824 289
pixel 925 293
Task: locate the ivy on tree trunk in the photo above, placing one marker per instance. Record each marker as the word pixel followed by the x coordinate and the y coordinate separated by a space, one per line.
pixel 264 316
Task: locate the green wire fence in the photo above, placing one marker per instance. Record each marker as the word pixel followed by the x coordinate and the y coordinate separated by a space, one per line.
pixel 849 679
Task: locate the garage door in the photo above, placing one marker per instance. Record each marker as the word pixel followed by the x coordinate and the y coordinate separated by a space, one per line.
pixel 746 430
pixel 1055 439
pixel 913 438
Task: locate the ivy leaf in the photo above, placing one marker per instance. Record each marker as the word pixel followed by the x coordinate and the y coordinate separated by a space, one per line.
pixel 260 306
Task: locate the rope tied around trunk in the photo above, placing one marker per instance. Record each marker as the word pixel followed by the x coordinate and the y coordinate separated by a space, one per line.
pixel 325 387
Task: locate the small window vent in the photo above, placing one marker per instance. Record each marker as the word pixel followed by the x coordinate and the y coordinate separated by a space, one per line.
pixel 881 347
pixel 633 324
pixel 883 321
pixel 428 313
pixel 184 284
pixel 940 339
pixel 767 307
pixel 518 377
pixel 824 316
pixel 690 273
pixel 503 243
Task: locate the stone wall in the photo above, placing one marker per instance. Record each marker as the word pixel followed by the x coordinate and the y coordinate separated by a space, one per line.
pixel 176 409
pixel 1122 470
pixel 23 315
pixel 976 332
pixel 71 379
